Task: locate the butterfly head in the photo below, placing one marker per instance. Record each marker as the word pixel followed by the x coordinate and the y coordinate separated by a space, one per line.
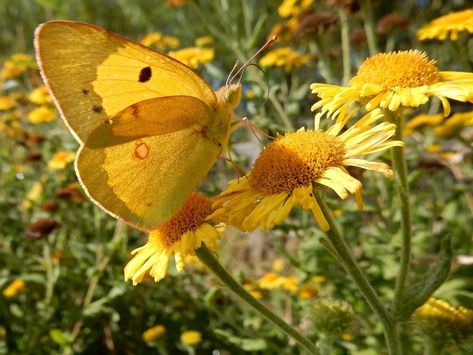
pixel 232 95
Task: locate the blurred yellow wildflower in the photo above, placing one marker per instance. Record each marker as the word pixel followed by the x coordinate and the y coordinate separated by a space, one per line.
pixel 61 159
pixel 181 235
pixel 16 65
pixel 307 292
pixel 443 324
pixel 193 56
pixel 271 281
pixel 291 168
pixel 6 103
pixel 204 41
pixel 41 114
pixel 293 7
pixel 154 333
pixel 448 25
pixel 33 194
pixel 14 288
pixel 40 96
pixel 421 120
pixel 253 289
pixel 160 41
pixel 176 3
pixel 285 30
pixel 454 124
pixel 395 79
pixel 278 265
pixel 191 337
pixel 284 57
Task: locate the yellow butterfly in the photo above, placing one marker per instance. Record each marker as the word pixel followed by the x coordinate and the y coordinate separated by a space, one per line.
pixel 149 127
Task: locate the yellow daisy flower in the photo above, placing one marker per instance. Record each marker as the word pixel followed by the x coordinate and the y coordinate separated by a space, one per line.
pixel 61 159
pixel 191 337
pixel 40 96
pixel 16 65
pixel 454 124
pixel 15 287
pixel 395 79
pixel 293 7
pixel 41 114
pixel 421 120
pixel 289 169
pixel 158 40
pixel 204 41
pixel 451 24
pixel 284 57
pixel 181 235
pixel 152 334
pixel 193 56
pixel 6 103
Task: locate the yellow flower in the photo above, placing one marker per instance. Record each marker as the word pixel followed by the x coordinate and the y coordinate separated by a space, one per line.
pixel 290 169
pixel 193 56
pixel 285 30
pixel 176 3
pixel 61 159
pixel 307 292
pixel 421 120
pixel 181 235
pixel 278 265
pixel 14 288
pixel 40 96
pixel 6 103
pixel 451 24
pixel 284 57
pixel 204 41
pixel 41 114
pixel 293 7
pixel 253 289
pixel 154 333
pixel 271 281
pixel 33 194
pixel 191 337
pixel 454 124
pixel 160 41
pixel 395 79
pixel 16 65
pixel 442 323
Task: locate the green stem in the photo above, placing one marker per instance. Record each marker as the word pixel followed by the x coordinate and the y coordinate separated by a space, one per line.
pixel 367 9
pixel 371 297
pixel 325 344
pixel 345 45
pixel 402 187
pixel 206 256
pixel 325 63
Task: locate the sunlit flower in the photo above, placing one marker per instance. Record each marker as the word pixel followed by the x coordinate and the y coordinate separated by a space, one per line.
pixel 285 30
pixel 61 159
pixel 42 114
pixel 278 265
pixel 181 235
pixel 193 56
pixel 16 65
pixel 160 41
pixel 395 79
pixel 152 334
pixel 284 57
pixel 14 288
pixel 253 289
pixel 290 169
pixel 6 103
pixel 40 96
pixel 448 25
pixel 204 41
pixel 293 7
pixel 191 337
pixel 454 124
pixel 443 324
pixel 176 3
pixel 270 281
pixel 33 194
pixel 420 121
pixel 307 292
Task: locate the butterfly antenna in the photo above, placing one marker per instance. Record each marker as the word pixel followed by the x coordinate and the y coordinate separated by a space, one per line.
pixel 238 168
pixel 254 129
pixel 231 73
pixel 245 65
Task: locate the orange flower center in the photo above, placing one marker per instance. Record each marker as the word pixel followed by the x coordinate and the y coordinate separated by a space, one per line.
pixel 294 160
pixel 190 217
pixel 406 69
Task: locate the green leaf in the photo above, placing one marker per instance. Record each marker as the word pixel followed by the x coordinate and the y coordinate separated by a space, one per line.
pixel 417 294
pixel 60 337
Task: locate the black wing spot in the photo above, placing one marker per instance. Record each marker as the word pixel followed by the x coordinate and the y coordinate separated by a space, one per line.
pixel 85 91
pixel 145 75
pixel 97 109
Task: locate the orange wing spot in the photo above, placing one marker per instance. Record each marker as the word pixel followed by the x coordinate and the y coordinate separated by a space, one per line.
pixel 141 150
